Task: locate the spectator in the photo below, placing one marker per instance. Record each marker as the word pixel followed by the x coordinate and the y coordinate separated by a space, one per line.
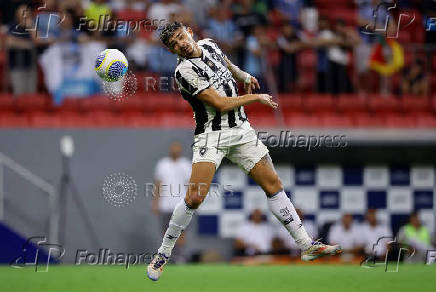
pixel 339 58
pixel 171 179
pixel 200 9
pixel 246 18
pixel 254 236
pixel 417 236
pixel 371 233
pixel 289 45
pixel 366 20
pixel 255 56
pixel 224 31
pixel 96 13
pixel 21 50
pixel 414 79
pixel 346 234
pixel 290 10
pixel 321 43
pixel 286 238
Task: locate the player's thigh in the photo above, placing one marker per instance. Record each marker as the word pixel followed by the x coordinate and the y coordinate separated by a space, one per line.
pixel 199 183
pixel 264 174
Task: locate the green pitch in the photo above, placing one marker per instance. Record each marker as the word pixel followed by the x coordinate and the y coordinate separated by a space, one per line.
pixel 223 278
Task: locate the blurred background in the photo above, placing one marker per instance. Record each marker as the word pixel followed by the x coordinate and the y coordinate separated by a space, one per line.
pixel 338 68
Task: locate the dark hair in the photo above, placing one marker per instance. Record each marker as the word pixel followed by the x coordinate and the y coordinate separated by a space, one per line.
pixel 168 31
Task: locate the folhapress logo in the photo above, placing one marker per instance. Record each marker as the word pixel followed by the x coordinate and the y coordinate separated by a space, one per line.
pixel 37 252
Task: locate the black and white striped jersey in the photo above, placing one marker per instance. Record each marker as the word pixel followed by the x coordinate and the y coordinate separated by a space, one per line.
pixel 194 75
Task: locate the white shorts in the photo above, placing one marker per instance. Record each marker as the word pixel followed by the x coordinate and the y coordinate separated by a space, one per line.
pixel 240 145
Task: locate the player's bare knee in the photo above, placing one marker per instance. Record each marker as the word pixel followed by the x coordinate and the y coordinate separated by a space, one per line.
pixel 196 195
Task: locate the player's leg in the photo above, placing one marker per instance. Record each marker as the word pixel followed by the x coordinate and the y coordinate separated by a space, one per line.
pixel 264 174
pixel 199 183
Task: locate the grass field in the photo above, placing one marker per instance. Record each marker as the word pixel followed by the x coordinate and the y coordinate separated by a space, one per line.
pixel 223 278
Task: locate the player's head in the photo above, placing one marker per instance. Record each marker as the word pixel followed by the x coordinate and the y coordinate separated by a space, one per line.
pixel 175 150
pixel 178 38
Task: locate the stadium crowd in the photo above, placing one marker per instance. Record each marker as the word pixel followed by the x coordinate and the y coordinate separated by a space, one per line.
pixel 289 45
pixel 358 237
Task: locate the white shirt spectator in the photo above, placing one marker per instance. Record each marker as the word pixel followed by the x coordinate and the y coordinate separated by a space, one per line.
pixel 174 178
pixel 258 236
pixel 347 239
pixel 369 236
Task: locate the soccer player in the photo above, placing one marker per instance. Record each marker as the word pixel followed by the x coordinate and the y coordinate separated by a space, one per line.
pixel 206 79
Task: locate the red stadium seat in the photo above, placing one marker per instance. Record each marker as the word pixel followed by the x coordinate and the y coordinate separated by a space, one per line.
pixel 400 121
pixel 302 121
pixel 291 103
pixel 42 120
pixel 75 120
pixel 133 105
pixel 351 103
pixel 108 120
pixel 7 103
pixel 426 122
pixel 384 104
pixel 415 104
pixel 336 121
pixel 98 103
pixel 142 121
pixel 70 104
pixel 13 121
pixel 34 102
pixel 176 121
pixel 319 103
pixel 367 121
pixel 263 121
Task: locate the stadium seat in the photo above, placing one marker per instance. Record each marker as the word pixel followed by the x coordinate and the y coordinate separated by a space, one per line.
pixel 44 120
pixel 133 105
pixel 426 122
pixel 176 121
pixel 34 102
pixel 335 121
pixel 263 121
pixel 70 104
pixel 302 121
pixel 6 103
pixel 400 121
pixel 415 104
pixel 367 121
pixel 76 120
pixel 291 104
pixel 352 103
pixel 98 103
pixel 13 121
pixel 142 121
pixel 108 120
pixel 317 103
pixel 383 104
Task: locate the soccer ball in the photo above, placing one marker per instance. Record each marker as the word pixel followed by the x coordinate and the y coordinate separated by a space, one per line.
pixel 111 65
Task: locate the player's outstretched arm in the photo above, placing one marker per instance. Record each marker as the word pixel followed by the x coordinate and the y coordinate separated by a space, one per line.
pixel 224 103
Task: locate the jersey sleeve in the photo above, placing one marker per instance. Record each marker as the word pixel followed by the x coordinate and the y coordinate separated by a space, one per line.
pixel 191 79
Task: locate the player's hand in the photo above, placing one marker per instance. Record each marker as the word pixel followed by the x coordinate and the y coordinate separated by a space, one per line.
pixel 252 85
pixel 267 99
